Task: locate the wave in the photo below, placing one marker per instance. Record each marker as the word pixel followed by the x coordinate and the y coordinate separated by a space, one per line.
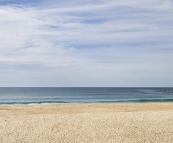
pixel 32 103
pixel 139 101
pixel 64 102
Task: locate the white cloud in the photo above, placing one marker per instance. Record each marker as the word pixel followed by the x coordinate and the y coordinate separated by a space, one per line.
pixel 117 40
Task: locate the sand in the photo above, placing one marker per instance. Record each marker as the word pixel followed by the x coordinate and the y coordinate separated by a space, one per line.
pixel 87 123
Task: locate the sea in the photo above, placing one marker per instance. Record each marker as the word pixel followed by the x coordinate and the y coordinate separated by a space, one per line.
pixel 65 95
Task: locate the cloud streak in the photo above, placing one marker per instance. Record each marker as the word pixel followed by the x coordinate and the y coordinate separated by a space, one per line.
pixel 83 43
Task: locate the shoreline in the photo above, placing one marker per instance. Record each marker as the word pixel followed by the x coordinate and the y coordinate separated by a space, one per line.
pixel 86 107
pixel 97 123
pixel 104 102
pixel 88 104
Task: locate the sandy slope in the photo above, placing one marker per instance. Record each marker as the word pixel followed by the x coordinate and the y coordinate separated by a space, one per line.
pixel 87 123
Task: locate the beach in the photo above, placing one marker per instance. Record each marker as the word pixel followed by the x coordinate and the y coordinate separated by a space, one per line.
pixel 87 123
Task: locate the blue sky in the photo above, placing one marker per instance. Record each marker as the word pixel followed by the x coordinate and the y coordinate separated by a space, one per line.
pixel 86 43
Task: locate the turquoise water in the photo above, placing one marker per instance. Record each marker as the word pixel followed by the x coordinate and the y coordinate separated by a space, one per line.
pixel 41 95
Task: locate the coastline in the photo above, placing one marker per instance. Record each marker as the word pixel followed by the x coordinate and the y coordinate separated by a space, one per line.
pixel 95 122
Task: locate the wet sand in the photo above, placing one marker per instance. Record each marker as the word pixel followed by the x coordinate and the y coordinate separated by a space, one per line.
pixel 87 123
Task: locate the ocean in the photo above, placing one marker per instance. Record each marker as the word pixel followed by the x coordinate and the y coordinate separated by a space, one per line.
pixel 51 95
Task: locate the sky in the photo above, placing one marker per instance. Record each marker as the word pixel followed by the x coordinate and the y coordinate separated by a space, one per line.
pixel 86 43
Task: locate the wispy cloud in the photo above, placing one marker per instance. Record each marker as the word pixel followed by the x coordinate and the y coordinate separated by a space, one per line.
pixel 86 43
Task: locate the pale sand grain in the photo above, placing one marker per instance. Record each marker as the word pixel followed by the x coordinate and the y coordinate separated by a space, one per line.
pixel 87 123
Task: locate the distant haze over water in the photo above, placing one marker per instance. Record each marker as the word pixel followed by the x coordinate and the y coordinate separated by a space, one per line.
pixel 43 95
